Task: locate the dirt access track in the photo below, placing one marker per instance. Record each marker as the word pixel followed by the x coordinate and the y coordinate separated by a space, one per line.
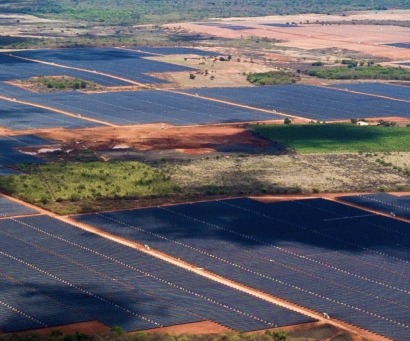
pixel 365 39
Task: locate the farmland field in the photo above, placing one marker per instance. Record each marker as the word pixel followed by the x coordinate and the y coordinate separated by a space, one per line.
pixel 316 103
pixel 53 274
pixel 317 253
pixel 338 138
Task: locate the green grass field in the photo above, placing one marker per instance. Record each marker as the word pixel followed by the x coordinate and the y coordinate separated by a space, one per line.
pixel 86 181
pixel 337 138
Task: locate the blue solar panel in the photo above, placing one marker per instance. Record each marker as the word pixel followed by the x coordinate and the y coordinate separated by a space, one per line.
pixel 146 107
pixel 9 153
pixel 329 257
pixel 59 274
pixel 380 89
pixel 383 202
pixel 401 45
pixel 117 62
pixel 318 103
pixel 10 208
pixel 18 116
pixel 12 68
pixel 174 50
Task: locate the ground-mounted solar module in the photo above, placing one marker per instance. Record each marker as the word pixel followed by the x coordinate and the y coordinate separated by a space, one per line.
pixel 130 65
pixel 13 68
pixel 10 208
pixel 383 202
pixel 8 171
pixel 379 89
pixel 313 102
pixel 10 153
pixel 400 45
pixel 17 116
pixel 52 274
pixel 282 25
pixel 333 258
pixel 149 106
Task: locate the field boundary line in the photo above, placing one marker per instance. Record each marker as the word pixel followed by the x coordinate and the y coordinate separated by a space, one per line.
pixel 272 112
pixel 58 111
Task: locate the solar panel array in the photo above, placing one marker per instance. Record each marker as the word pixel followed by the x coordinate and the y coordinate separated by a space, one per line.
pixel 318 103
pixel 53 274
pixel 118 62
pixel 323 255
pixel 18 116
pixel 8 171
pixel 9 153
pixel 383 202
pixel 281 25
pixel 12 68
pixel 145 107
pixel 401 45
pixel 10 208
pixel 379 89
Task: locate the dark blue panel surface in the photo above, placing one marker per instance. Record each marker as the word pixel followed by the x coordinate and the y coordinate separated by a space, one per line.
pixel 57 274
pixel 10 208
pixel 380 89
pixel 383 202
pixel 317 103
pixel 329 257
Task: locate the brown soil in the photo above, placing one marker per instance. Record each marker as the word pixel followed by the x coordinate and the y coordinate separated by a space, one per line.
pixel 190 140
pixel 365 39
pixel 89 328
pixel 198 328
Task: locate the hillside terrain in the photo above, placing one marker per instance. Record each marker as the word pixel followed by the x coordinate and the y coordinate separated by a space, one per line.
pixel 160 11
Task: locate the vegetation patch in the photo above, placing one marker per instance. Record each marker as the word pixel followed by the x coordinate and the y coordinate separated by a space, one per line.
pixel 273 78
pixel 361 72
pixel 59 182
pixel 58 83
pixel 337 138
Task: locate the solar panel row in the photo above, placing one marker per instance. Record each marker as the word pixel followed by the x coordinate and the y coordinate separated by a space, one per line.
pixel 58 274
pixel 144 107
pixel 383 202
pixel 306 257
pixel 10 208
pixel 318 103
pixel 9 153
pixel 118 62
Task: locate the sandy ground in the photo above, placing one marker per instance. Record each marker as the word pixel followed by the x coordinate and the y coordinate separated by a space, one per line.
pixel 365 39
pixel 197 328
pixel 155 137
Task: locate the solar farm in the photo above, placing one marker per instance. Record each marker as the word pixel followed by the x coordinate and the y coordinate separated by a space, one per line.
pixel 53 274
pixel 240 263
pixel 306 258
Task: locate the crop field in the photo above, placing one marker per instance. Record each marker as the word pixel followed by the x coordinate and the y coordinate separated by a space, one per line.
pixel 337 138
pixel 383 202
pixel 9 154
pixel 126 64
pixel 149 106
pixel 9 208
pixel 316 103
pixel 379 89
pixel 18 116
pixel 317 253
pixel 53 274
pixel 12 68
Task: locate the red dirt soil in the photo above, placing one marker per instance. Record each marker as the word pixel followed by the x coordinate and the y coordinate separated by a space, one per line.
pixel 205 327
